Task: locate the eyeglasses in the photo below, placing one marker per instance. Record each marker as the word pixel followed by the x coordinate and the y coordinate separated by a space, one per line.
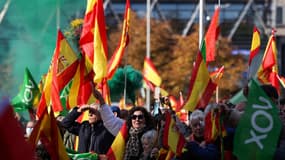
pixel 134 117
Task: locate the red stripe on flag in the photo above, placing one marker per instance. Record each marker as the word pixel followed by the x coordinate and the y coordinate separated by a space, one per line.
pixel 119 52
pixel 211 36
pixel 207 94
pixel 255 45
pixel 116 151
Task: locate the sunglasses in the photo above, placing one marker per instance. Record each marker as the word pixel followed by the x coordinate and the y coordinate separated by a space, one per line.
pixel 134 117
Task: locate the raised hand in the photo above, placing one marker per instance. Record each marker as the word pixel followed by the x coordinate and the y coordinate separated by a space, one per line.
pixel 83 108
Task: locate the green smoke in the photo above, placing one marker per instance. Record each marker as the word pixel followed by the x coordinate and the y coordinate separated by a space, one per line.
pixel 28 35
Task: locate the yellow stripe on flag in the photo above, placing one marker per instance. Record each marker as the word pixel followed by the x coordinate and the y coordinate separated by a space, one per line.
pixel 268 70
pixel 150 73
pixel 100 45
pixel 200 82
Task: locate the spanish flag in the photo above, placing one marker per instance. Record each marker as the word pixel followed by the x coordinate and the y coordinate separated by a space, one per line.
pixel 268 70
pixel 214 126
pixel 81 88
pixel 255 45
pixel 46 130
pixel 201 86
pixel 119 52
pixel 209 44
pixel 172 138
pixel 217 74
pixel 61 71
pixel 116 152
pixel 13 145
pixel 93 40
pixel 150 73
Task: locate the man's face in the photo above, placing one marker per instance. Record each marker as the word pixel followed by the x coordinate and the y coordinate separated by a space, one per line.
pixel 197 126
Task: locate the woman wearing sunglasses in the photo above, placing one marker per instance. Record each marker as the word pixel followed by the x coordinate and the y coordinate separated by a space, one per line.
pixel 138 122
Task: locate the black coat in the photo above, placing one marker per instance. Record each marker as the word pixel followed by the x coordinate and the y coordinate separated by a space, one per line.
pixel 96 139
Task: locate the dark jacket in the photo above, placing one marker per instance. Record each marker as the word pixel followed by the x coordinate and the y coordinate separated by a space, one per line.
pixel 91 139
pixel 194 151
pixel 197 152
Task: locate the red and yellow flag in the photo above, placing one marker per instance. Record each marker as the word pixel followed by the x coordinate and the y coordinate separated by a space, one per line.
pixel 116 151
pixel 201 86
pixel 13 145
pixel 119 52
pixel 172 138
pixel 214 126
pixel 46 130
pixel 150 73
pixel 268 70
pixel 217 75
pixel 282 80
pixel 93 40
pixel 209 44
pixel 61 71
pixel 81 88
pixel 255 45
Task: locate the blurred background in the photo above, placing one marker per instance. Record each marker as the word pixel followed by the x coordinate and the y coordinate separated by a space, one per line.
pixel 28 34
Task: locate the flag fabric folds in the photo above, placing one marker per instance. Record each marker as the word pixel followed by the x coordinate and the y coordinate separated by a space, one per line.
pixel 116 151
pixel 150 73
pixel 214 126
pixel 217 75
pixel 172 138
pixel 282 80
pixel 255 45
pixel 201 86
pixel 93 40
pixel 209 43
pixel 47 131
pixel 259 127
pixel 268 70
pixel 119 52
pixel 13 145
pixel 80 91
pixel 29 94
pixel 63 66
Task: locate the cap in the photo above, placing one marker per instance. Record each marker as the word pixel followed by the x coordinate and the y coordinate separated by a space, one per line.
pixel 116 109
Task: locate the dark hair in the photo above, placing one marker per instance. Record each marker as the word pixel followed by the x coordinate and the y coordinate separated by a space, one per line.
pixel 148 118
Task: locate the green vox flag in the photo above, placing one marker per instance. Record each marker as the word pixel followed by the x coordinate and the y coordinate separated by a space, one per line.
pixel 29 93
pixel 81 156
pixel 258 131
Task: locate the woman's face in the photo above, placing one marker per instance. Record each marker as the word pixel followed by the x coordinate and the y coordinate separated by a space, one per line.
pixel 138 119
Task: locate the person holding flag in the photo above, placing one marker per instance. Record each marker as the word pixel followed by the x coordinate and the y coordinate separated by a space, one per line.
pixel 196 147
pixel 139 122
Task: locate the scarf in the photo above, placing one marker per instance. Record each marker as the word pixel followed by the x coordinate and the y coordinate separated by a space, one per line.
pixel 133 146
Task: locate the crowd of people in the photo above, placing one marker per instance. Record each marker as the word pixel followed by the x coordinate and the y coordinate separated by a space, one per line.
pixel 146 129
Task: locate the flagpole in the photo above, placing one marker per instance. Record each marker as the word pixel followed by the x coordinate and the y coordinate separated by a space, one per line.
pixel 4 10
pixel 148 48
pixel 58 15
pixel 201 25
pixel 217 94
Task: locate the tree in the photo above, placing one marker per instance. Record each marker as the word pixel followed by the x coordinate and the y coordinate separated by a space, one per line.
pixel 174 55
